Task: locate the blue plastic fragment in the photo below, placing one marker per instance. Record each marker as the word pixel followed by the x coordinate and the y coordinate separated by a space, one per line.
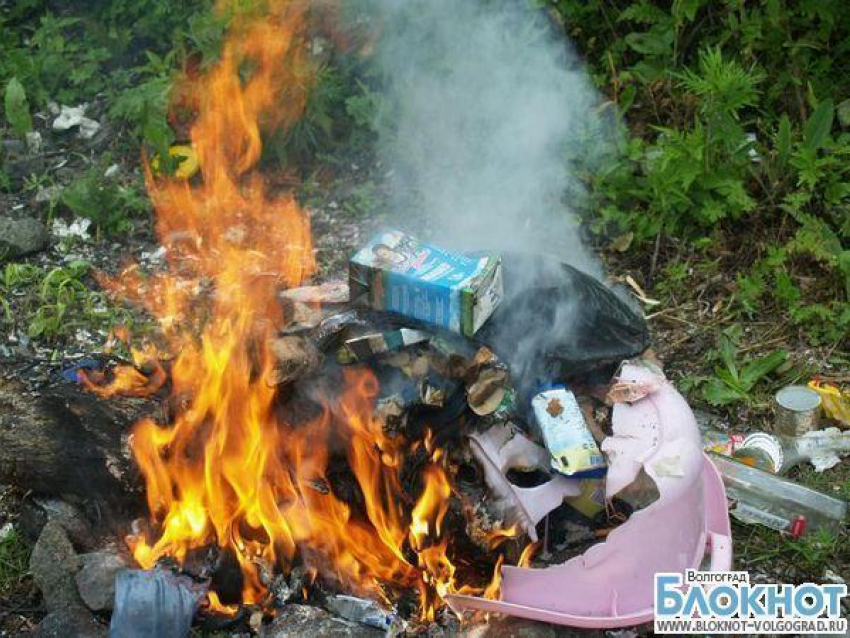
pixel 154 604
pixel 71 373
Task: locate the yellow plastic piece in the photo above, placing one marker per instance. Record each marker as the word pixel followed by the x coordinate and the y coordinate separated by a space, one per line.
pixel 835 404
pixel 188 165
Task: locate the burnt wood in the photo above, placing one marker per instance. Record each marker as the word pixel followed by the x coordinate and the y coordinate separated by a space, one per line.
pixel 64 441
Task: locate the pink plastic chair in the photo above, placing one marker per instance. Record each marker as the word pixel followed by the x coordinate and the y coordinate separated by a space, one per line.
pixel 612 584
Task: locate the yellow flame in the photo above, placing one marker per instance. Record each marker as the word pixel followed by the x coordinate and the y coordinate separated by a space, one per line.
pixel 229 469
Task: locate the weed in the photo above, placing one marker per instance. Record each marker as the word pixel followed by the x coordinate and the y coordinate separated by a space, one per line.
pixel 55 302
pixel 802 559
pixel 17 108
pixel 14 561
pixel 144 106
pixel 735 380
pixel 107 204
pixel 716 146
pixel 52 65
pixel 365 198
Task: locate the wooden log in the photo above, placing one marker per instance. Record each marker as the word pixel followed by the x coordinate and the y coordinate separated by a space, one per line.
pixel 61 440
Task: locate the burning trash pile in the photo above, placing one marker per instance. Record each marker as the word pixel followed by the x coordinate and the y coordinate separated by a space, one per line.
pixel 395 447
pixel 377 453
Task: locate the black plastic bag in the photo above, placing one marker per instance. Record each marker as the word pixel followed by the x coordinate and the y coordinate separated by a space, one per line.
pixel 558 323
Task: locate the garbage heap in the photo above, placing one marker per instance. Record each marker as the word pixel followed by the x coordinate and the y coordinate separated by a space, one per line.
pixel 506 363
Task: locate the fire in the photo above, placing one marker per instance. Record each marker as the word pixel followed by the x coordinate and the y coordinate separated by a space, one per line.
pixel 228 469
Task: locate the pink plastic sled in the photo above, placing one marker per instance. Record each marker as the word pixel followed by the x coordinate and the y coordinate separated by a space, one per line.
pixel 612 584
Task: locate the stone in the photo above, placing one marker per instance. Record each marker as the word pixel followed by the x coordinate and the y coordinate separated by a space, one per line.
pixel 294 621
pixel 18 162
pixel 35 513
pixel 96 579
pixel 48 194
pixel 74 621
pixel 21 237
pixel 53 565
pixel 34 142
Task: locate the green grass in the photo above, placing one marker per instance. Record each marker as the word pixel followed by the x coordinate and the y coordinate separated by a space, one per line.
pixel 761 549
pixel 14 562
pixel 49 303
pixel 808 557
pixel 834 481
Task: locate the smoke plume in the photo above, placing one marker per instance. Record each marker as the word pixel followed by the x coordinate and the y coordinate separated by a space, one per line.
pixel 490 124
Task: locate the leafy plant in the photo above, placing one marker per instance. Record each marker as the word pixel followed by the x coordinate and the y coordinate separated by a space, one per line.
pixel 17 108
pixel 144 106
pixel 54 66
pixel 55 302
pixel 735 380
pixel 107 204
pixel 717 150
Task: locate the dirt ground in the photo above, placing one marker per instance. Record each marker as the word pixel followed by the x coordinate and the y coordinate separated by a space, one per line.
pixel 684 320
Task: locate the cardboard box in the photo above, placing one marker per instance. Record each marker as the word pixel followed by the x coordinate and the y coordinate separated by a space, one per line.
pixel 398 273
pixel 571 445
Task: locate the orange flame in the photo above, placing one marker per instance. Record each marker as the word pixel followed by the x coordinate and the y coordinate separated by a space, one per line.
pixel 229 469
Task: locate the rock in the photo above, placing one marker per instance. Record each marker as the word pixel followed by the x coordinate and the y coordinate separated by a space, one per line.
pixel 21 237
pixel 37 511
pixel 303 620
pixel 73 621
pixel 48 194
pixel 34 142
pixel 18 162
pixel 96 579
pixel 53 564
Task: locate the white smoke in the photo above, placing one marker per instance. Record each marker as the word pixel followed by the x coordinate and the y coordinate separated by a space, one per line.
pixel 489 118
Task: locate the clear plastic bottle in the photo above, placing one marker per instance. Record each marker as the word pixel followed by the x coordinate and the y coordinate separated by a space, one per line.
pixel 778 453
pixel 761 497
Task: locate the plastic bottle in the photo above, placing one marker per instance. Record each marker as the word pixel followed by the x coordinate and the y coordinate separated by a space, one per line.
pixel 777 453
pixel 764 498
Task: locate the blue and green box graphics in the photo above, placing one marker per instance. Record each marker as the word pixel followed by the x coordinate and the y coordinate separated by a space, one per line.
pixel 398 273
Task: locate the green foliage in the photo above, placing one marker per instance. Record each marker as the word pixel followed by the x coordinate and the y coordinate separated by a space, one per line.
pixel 692 178
pixel 735 380
pixel 810 554
pixel 17 108
pixel 716 146
pixel 107 204
pixel 110 46
pixel 144 105
pixel 155 24
pixel 365 198
pixel 316 128
pixel 338 118
pixel 723 86
pixel 51 62
pixel 55 302
pixel 14 561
